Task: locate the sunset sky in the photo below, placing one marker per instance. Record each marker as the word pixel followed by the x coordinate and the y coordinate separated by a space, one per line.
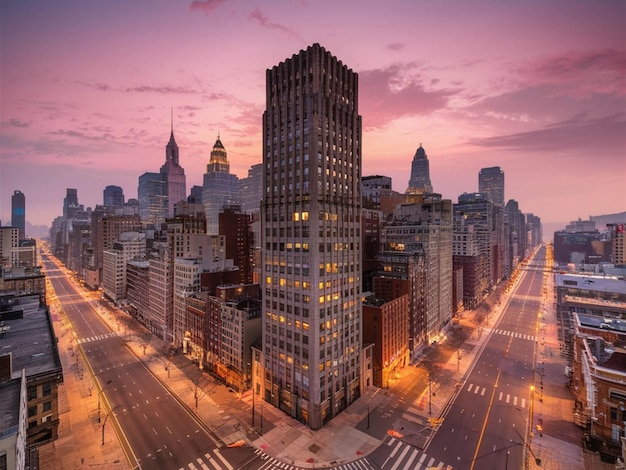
pixel 535 87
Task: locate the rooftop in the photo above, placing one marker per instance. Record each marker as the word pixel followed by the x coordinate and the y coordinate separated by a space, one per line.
pixel 30 339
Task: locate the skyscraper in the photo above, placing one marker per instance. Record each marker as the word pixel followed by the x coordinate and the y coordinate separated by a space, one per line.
pixel 113 196
pixel 491 184
pixel 153 201
pixel 420 174
pixel 173 175
pixel 219 187
pixel 311 262
pixel 18 212
pixel 70 203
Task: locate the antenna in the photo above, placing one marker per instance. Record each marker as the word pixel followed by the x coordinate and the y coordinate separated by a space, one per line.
pixel 172 119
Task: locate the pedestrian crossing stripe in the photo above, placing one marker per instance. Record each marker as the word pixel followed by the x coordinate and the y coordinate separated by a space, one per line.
pixel 410 457
pixel 507 399
pixel 515 334
pixel 95 338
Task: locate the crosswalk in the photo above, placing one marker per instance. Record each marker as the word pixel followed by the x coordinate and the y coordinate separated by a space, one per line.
pixel 212 460
pixel 502 396
pixel 270 463
pixel 95 338
pixel 405 456
pixel 515 334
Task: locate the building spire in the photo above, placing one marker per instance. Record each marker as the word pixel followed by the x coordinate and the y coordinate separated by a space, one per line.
pixel 172 119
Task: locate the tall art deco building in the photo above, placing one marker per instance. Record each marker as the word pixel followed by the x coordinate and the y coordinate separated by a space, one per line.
pixel 310 237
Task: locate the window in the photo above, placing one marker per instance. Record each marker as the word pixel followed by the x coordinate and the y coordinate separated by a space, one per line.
pixel 46 389
pixel 47 406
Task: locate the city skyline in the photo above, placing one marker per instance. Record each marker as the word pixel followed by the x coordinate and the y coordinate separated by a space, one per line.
pixel 538 89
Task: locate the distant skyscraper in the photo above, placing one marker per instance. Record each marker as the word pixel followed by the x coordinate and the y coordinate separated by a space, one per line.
pixel 153 204
pixel 311 261
pixel 113 196
pixel 219 187
pixel 173 175
pixel 70 203
pixel 195 194
pixel 420 174
pixel 491 184
pixel 251 190
pixel 18 212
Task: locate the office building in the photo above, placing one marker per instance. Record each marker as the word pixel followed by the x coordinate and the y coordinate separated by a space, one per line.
pixel 251 190
pixel 236 227
pixel 113 196
pixel 219 188
pixel 386 326
pixel 9 242
pixel 372 188
pixel 419 183
pixel 18 213
pixel 173 175
pixel 311 262
pixel 153 202
pixel 425 227
pixel 476 216
pixel 491 184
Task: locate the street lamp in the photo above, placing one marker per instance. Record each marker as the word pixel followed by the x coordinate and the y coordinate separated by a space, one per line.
pixel 101 391
pixel 105 421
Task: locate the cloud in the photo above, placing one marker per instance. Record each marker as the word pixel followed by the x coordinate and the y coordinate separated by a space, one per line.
pixel 266 23
pixel 396 46
pixel 205 5
pixel 395 92
pixel 160 89
pixel 18 123
pixel 598 137
pixel 581 73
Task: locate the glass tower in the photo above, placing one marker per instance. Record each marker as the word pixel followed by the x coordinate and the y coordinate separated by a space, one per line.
pixel 491 184
pixel 18 212
pixel 310 215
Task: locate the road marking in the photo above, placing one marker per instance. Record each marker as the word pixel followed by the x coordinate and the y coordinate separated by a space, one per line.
pixel 400 457
pixel 395 451
pixel 224 461
pixel 508 397
pixel 469 389
pixel 482 394
pixel 421 460
pixel 523 402
pixel 500 396
pixel 514 401
pixel 431 462
pixel 482 431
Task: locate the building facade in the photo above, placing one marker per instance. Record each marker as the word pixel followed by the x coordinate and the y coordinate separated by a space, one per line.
pixel 219 188
pixel 18 212
pixel 174 176
pixel 491 184
pixel 419 183
pixel 311 237
pixel 113 196
pixel 153 201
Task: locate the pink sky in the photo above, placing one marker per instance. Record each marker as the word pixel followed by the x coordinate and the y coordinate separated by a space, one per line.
pixel 535 87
